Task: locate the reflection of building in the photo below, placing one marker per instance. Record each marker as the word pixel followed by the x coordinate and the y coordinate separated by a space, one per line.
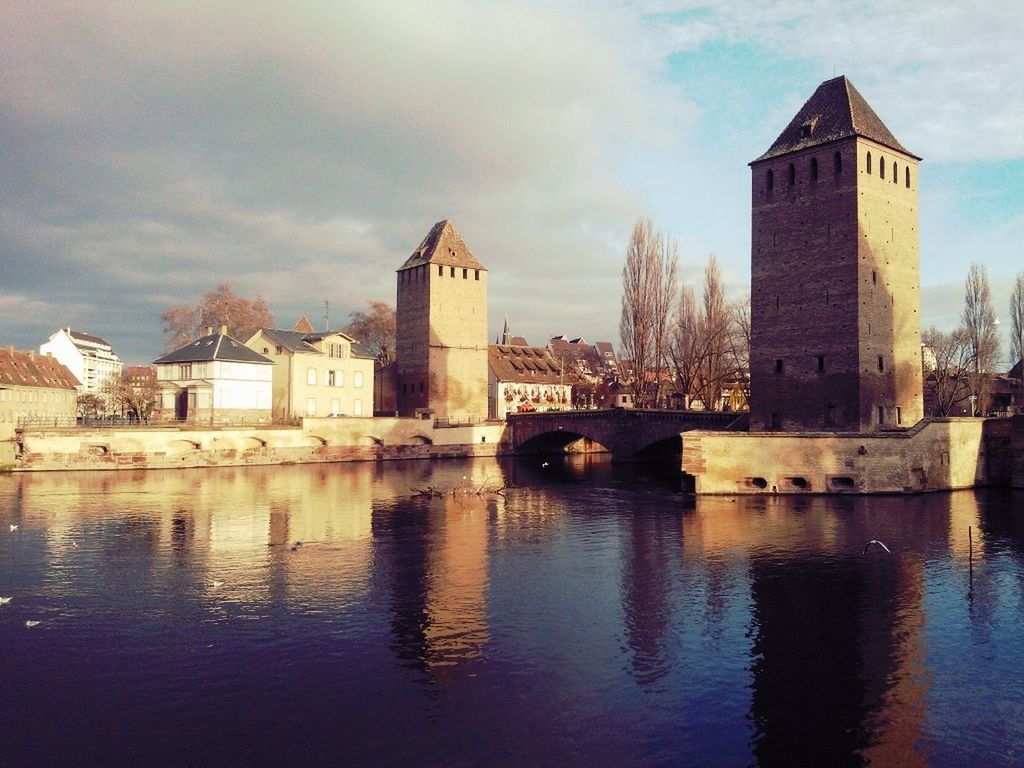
pixel 835 290
pixel 316 374
pixel 524 379
pixel 34 388
pixel 89 358
pixel 441 317
pixel 214 378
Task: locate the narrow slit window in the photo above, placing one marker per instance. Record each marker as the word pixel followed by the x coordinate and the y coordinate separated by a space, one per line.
pixel 440 271
pixel 881 167
pixel 881 364
pixel 779 365
pixel 906 175
pixel 895 173
pixel 837 161
pixel 869 163
pixel 770 180
pixel 792 174
pixel 814 169
pixel 881 415
pixel 821 362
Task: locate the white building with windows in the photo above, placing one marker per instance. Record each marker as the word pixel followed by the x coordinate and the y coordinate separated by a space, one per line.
pixel 214 380
pixel 316 374
pixel 89 358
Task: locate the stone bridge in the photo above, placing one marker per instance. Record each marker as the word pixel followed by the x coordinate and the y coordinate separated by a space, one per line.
pixel 628 435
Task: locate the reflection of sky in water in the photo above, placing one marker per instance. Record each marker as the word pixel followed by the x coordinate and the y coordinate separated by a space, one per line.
pixel 586 615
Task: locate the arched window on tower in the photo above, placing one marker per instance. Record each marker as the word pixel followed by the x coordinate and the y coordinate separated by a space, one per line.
pixel 895 173
pixel 869 162
pixel 792 174
pixel 837 161
pixel 814 169
pixel 907 175
pixel 881 167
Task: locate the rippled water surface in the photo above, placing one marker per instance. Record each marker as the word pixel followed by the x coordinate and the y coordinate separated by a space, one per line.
pixel 585 616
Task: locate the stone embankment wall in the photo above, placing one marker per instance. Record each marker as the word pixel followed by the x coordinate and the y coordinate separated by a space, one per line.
pixel 937 454
pixel 316 441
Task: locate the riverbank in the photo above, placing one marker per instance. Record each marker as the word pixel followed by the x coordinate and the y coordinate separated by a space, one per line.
pixel 314 441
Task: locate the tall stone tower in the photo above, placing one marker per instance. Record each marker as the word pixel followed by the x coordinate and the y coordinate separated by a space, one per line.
pixel 441 347
pixel 835 287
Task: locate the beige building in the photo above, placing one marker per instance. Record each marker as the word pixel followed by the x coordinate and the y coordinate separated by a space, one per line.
pixel 835 288
pixel 523 379
pixel 315 374
pixel 441 346
pixel 35 389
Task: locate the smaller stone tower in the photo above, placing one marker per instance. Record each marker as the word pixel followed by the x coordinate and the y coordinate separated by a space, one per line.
pixel 441 349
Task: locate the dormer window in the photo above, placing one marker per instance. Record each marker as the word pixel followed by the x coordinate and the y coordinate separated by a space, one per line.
pixel 808 127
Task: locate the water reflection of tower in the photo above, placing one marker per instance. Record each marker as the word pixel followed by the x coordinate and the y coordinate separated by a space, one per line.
pixel 838 671
pixel 438 565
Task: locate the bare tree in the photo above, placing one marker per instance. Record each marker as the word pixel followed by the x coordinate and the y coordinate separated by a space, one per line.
pixel 979 321
pixel 648 290
pixel 947 370
pixel 739 347
pixel 685 347
pixel 376 329
pixel 134 397
pixel 715 327
pixel 216 308
pixel 1017 333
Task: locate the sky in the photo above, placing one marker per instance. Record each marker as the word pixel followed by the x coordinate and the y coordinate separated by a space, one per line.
pixel 301 151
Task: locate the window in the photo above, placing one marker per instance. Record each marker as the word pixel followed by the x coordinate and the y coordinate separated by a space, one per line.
pixel 440 271
pixel 881 167
pixel 830 415
pixel 335 406
pixel 311 376
pixel 774 422
pixel 874 277
pixel 869 163
pixel 266 351
pixel 792 174
pixel 357 407
pixel 895 173
pixel 779 365
pixel 906 175
pixel 821 362
pixel 881 415
pixel 330 379
pixel 465 274
pixel 476 272
pixel 311 406
pixel 770 180
pixel 814 169
pixel 185 371
pixel 899 415
pixel 453 271
pixel 357 379
pixel 837 161
pixel 881 364
pixel 339 379
pixel 278 350
pixel 338 351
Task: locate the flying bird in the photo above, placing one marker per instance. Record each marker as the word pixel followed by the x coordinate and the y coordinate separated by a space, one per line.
pixel 14 527
pixel 544 464
pixel 5 600
pixel 874 542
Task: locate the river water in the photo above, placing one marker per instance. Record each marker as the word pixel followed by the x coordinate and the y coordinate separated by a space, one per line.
pixel 587 615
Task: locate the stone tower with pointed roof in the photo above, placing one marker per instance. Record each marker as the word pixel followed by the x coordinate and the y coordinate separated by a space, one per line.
pixel 835 287
pixel 441 317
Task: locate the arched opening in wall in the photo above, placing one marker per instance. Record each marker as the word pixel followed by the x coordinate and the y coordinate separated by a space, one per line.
pixel 841 484
pixel 895 173
pixel 370 440
pixel 881 167
pixel 796 483
pixel 869 163
pixel 560 442
pixel 314 441
pixel 94 449
pixel 814 169
pixel 792 174
pixel 253 444
pixel 668 450
pixel 757 483
pixel 421 440
pixel 906 174
pixel 182 446
pixel 837 163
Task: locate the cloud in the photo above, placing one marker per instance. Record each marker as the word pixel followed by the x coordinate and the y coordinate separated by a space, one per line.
pixel 303 152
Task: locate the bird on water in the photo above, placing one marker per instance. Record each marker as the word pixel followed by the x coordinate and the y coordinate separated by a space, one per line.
pixel 872 543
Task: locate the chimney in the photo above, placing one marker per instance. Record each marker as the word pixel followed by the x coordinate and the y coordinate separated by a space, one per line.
pixel 223 330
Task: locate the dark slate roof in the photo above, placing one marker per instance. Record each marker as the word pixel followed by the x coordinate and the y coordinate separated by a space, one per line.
pixel 836 110
pixel 215 346
pixel 297 341
pixel 523 364
pixel 1017 372
pixel 443 245
pixel 87 337
pixel 30 369
pixel 360 350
